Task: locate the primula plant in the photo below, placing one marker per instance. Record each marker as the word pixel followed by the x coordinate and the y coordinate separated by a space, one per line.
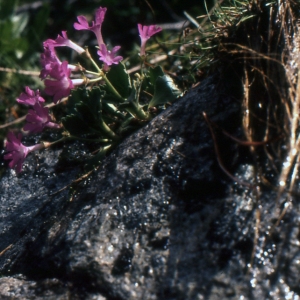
pixel 104 104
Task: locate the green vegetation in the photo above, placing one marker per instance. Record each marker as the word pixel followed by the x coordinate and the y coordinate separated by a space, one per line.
pixel 255 42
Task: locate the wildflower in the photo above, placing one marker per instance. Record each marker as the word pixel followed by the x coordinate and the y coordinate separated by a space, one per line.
pixel 96 26
pixel 38 118
pixel 109 57
pixel 48 60
pixel 30 97
pixel 145 33
pixel 60 85
pixel 61 41
pixel 17 152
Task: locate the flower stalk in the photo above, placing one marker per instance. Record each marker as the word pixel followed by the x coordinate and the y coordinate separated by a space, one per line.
pixel 107 131
pixel 88 55
pixel 112 89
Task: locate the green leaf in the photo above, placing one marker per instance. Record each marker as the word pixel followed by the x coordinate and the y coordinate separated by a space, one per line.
pixel 76 97
pixel 135 93
pixel 7 8
pixel 75 125
pixel 93 101
pixel 88 116
pixel 154 73
pixel 6 28
pixel 10 41
pixel 85 112
pixel 150 78
pixel 112 110
pixel 120 79
pixel 19 23
pixel 165 91
pixel 92 98
pixel 126 126
pixel 132 104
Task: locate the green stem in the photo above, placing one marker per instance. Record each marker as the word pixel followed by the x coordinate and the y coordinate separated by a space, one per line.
pixel 135 109
pixel 142 67
pixel 91 72
pixel 106 148
pixel 108 131
pixel 92 140
pixel 91 59
pixel 138 112
pixel 102 76
pixel 112 89
pixel 95 79
pixel 48 144
pixel 71 137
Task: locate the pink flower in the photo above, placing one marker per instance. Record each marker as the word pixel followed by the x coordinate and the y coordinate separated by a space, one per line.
pixel 109 57
pixel 30 97
pixel 63 41
pixel 17 152
pixel 38 118
pixel 48 60
pixel 60 85
pixel 145 33
pixel 96 26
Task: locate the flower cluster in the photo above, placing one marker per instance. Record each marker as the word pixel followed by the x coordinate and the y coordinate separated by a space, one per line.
pixel 60 78
pixel 38 117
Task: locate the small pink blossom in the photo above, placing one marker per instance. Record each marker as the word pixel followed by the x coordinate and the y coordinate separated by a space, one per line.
pixel 60 84
pixel 38 118
pixel 145 33
pixel 109 57
pixel 48 60
pixel 30 97
pixel 17 152
pixel 61 41
pixel 96 26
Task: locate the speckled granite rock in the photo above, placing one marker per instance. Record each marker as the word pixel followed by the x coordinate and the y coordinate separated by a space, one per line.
pixel 159 219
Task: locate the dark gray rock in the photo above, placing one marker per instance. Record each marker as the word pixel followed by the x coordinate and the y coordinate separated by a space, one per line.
pixel 158 220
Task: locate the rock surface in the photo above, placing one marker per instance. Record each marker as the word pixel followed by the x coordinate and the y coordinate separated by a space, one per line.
pixel 158 220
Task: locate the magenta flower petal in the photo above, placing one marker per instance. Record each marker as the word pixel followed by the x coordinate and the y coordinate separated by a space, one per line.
pixel 48 60
pixel 30 97
pixel 58 89
pixel 99 15
pixel 60 84
pixel 145 33
pixel 38 118
pixel 108 57
pixel 82 23
pixel 95 27
pixel 17 152
pixel 61 41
